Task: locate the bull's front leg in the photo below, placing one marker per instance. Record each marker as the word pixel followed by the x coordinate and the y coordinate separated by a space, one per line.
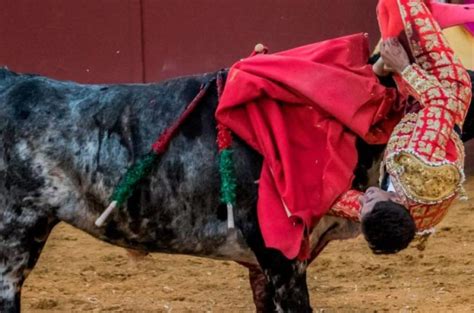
pixel 286 282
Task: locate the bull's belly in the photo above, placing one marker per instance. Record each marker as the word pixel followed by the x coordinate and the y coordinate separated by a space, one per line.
pixel 329 228
pixel 211 240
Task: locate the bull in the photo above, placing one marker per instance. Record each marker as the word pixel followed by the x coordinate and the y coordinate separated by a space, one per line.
pixel 64 146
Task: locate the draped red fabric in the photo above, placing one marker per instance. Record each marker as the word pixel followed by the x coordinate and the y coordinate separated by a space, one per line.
pixel 302 110
pixel 389 18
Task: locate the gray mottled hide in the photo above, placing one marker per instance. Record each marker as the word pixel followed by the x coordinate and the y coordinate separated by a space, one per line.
pixel 64 146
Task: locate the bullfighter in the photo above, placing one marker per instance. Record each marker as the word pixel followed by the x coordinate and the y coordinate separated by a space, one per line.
pixel 424 159
pixel 270 101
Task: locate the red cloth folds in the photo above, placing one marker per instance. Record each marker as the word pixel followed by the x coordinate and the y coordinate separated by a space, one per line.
pixel 302 109
pixel 390 19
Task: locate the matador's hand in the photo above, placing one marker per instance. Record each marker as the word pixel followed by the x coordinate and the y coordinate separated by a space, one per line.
pixel 394 55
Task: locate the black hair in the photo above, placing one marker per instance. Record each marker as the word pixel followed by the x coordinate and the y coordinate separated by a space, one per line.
pixel 388 228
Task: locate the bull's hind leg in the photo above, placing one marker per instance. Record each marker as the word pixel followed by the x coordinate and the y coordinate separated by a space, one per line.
pixel 262 291
pixel 22 236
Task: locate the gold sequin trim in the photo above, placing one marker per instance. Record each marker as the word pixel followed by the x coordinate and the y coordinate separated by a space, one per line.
pixel 426 183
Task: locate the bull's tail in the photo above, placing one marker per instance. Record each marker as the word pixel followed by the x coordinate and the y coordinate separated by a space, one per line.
pixel 6 74
pixel 6 77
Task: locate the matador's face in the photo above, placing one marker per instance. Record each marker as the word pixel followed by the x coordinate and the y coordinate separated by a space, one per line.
pixel 374 195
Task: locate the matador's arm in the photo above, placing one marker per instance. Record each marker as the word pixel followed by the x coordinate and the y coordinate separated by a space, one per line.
pixel 347 206
pixel 450 93
pixel 445 102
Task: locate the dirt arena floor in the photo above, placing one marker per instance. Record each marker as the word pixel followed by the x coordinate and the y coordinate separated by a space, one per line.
pixel 77 273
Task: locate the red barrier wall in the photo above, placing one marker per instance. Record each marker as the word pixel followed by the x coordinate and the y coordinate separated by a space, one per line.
pixel 89 41
pixel 149 40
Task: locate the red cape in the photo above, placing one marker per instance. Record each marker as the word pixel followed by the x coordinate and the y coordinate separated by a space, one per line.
pixel 302 110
